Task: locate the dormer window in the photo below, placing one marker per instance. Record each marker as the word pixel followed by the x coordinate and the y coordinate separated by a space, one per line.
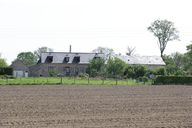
pixel 49 59
pixel 66 60
pixel 97 57
pixel 76 59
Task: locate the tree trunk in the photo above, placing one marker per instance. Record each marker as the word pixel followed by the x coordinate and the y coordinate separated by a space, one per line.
pixel 162 55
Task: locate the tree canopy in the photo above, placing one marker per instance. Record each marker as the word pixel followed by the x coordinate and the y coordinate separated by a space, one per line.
pixel 115 67
pixel 28 58
pixel 165 31
pixel 41 50
pixel 3 62
pixel 96 67
pixel 188 61
pixel 108 52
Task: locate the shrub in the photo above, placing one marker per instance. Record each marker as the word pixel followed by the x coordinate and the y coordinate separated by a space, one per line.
pixel 160 71
pixel 6 71
pixel 163 80
pixel 83 75
pixel 52 73
pixel 135 71
pixel 143 79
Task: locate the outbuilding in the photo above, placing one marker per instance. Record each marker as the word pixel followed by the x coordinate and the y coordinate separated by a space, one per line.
pixel 19 69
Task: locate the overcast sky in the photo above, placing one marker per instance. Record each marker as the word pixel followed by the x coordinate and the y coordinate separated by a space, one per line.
pixel 26 25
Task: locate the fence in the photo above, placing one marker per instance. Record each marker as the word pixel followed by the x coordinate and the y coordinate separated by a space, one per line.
pixel 67 81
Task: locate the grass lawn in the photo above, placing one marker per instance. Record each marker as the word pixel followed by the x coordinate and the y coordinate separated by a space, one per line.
pixel 68 81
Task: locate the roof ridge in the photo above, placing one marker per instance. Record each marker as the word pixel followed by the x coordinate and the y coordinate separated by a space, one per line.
pixel 74 52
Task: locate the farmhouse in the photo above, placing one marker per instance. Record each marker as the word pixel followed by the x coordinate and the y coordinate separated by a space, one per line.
pixel 64 63
pixel 149 61
pixel 75 63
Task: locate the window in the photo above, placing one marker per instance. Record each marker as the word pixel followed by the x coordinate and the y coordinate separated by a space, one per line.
pixel 76 59
pixel 66 60
pixel 49 59
pixel 67 70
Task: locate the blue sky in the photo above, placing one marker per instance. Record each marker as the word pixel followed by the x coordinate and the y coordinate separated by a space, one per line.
pixel 26 25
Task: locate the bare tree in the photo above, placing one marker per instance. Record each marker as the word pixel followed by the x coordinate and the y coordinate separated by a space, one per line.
pixel 130 51
pixel 165 31
pixel 108 52
pixel 41 50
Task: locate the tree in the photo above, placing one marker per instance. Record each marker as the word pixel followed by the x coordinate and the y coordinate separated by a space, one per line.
pixel 3 63
pixel 178 59
pixel 115 67
pixel 135 71
pixel 130 51
pixel 188 60
pixel 175 63
pixel 41 50
pixel 28 58
pixel 165 31
pixel 108 52
pixel 96 67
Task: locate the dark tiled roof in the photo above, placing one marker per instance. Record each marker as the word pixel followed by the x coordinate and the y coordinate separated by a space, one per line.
pixel 59 57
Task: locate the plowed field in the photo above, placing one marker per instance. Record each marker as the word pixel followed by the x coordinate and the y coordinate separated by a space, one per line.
pixel 95 107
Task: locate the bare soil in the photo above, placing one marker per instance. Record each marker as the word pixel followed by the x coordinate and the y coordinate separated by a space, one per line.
pixel 95 107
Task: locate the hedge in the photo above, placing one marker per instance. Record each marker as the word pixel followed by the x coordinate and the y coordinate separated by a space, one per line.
pixel 170 80
pixel 6 71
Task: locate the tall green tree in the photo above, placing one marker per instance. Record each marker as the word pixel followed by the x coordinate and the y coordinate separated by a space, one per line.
pixel 165 31
pixel 3 63
pixel 41 50
pixel 175 63
pixel 28 58
pixel 178 60
pixel 188 61
pixel 96 67
pixel 115 67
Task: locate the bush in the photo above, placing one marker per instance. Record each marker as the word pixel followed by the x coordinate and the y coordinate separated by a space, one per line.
pixel 163 80
pixel 143 79
pixel 160 71
pixel 6 71
pixel 83 75
pixel 52 73
pixel 135 71
pixel 7 77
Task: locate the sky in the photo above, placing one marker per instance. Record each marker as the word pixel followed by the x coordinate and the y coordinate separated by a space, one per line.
pixel 26 25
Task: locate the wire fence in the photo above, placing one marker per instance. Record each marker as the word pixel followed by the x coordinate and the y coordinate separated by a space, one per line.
pixel 68 81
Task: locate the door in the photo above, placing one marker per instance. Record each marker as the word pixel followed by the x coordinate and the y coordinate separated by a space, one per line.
pixel 17 73
pixel 67 71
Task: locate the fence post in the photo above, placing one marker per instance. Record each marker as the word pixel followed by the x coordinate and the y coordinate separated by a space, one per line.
pixel 20 80
pixel 61 80
pixel 116 80
pixel 74 80
pixel 7 80
pixel 88 79
pixel 47 80
pixel 103 79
